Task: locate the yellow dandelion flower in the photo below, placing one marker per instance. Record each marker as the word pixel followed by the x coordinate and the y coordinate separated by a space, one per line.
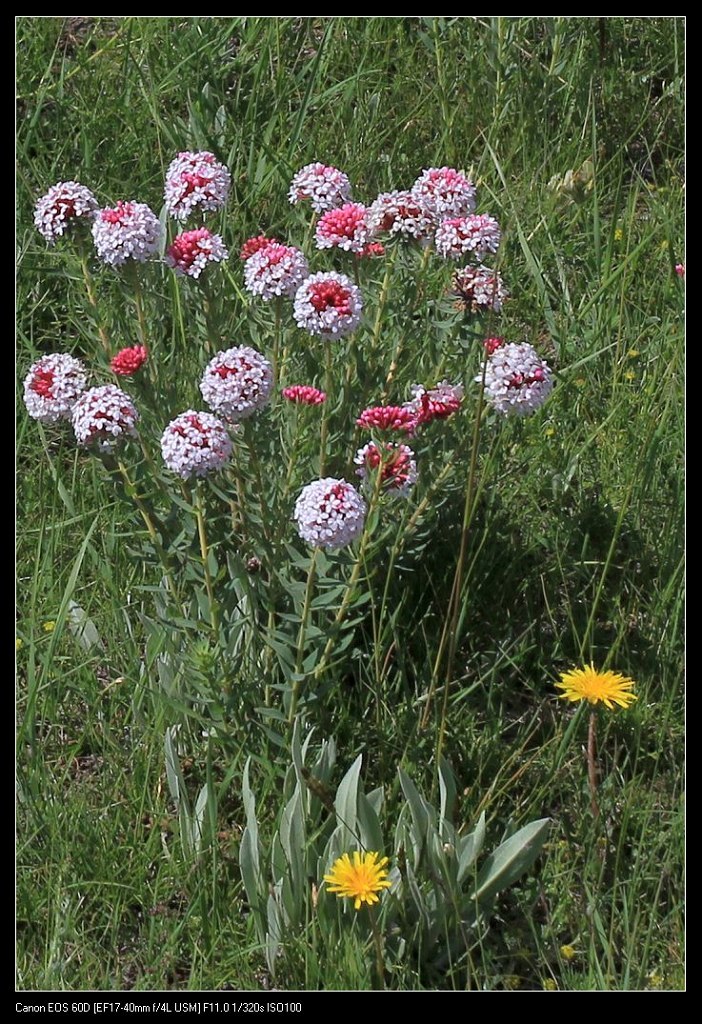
pixel 19 643
pixel 618 234
pixel 549 985
pixel 49 627
pixel 630 375
pixel 568 952
pixel 550 431
pixel 633 353
pixel 608 688
pixel 359 880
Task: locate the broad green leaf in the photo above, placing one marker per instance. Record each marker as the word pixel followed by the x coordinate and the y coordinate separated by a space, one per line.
pixel 469 847
pixel 345 804
pixel 510 860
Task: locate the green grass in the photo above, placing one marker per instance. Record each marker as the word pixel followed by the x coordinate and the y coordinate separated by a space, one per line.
pixel 576 546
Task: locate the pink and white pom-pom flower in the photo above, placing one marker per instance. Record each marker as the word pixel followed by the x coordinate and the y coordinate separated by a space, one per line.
pixel 237 383
pixel 517 380
pixel 275 270
pixel 444 192
pixel 479 289
pixel 399 213
pixel 325 187
pixel 330 513
pixel 103 417
pixel 477 235
pixel 397 464
pixel 53 386
pixel 328 304
pixel 64 203
pixel 343 228
pixel 437 403
pixel 128 231
pixel 191 251
pixel 196 181
pixel 195 444
pixel 255 244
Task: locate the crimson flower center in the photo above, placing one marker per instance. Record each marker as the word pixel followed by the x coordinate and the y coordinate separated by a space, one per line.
pixel 330 295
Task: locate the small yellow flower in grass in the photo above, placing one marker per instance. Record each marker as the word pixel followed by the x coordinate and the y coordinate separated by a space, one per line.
pixel 608 688
pixel 633 353
pixel 19 643
pixel 618 234
pixel 568 952
pixel 49 627
pixel 549 985
pixel 359 880
pixel 630 375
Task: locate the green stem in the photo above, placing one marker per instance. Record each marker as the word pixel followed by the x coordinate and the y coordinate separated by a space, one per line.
pixel 87 278
pixel 450 631
pixel 276 338
pixel 378 943
pixel 348 595
pixel 204 553
pixel 149 523
pixel 325 407
pixel 592 763
pixel 299 657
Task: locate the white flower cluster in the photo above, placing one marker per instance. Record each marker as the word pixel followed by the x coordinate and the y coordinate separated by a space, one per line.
pixel 130 231
pixel 103 416
pixel 64 202
pixel 477 236
pixel 399 466
pixel 237 383
pixel 275 270
pixel 517 380
pixel 196 181
pixel 399 213
pixel 328 304
pixel 325 187
pixel 329 513
pixel 444 192
pixel 193 250
pixel 479 289
pixel 195 444
pixel 52 387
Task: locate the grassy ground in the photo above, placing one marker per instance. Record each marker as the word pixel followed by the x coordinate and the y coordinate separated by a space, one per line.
pixel 576 549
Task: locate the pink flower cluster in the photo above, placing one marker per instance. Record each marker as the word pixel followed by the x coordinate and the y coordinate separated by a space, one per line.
pixel 435 403
pixel 517 380
pixel 191 251
pixel 253 245
pixel 476 235
pixel 195 444
pixel 53 386
pixel 325 187
pixel 65 202
pixel 104 416
pixel 329 513
pixel 343 228
pixel 129 360
pixel 195 181
pixel 304 394
pixel 275 270
pixel 237 383
pixel 395 462
pixel 328 305
pixel 399 213
pixel 388 417
pixel 126 231
pixel 479 290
